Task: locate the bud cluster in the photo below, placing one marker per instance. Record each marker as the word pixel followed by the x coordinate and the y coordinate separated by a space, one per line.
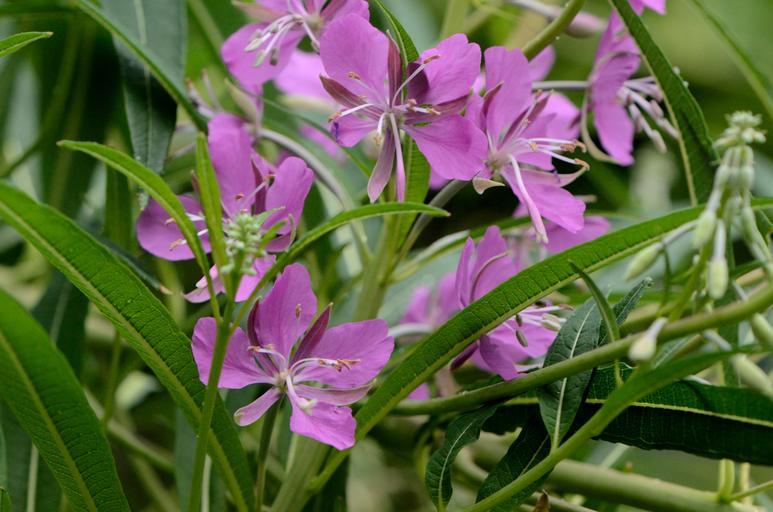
pixel 730 201
pixel 245 241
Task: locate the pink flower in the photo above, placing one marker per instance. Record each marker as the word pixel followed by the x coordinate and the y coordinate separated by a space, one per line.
pixel 365 76
pixel 659 6
pixel 321 370
pixel 525 133
pixel 618 102
pixel 248 186
pixel 258 52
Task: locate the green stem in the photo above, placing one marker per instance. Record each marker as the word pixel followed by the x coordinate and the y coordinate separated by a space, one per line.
pixel 637 388
pixel 265 441
pixel 726 480
pixel 210 399
pixel 293 493
pixel 697 323
pixel 632 490
pixel 373 286
pixel 112 380
pixel 455 15
pixel 554 29
pixel 751 492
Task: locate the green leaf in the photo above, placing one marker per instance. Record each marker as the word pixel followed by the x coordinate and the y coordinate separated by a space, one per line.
pixel 362 212
pixel 166 74
pixel 509 298
pixel 153 184
pixel 602 304
pixel 404 42
pixel 560 400
pixel 5 500
pixel 19 41
pixel 139 317
pixel 43 393
pixel 463 430
pixel 622 309
pixel 698 154
pixel 150 110
pixel 758 81
pixel 530 447
pixel 209 193
pixel 688 415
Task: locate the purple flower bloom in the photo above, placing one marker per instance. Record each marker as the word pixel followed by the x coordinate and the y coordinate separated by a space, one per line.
pixel 523 138
pixel 258 52
pixel 248 186
pixel 365 76
pixel 561 239
pixel 320 369
pixel 659 6
pixel 618 102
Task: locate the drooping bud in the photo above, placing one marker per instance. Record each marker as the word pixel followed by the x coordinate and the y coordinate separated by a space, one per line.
pixel 644 348
pixel 717 278
pixel 642 261
pixel 751 374
pixel 762 330
pixel 704 229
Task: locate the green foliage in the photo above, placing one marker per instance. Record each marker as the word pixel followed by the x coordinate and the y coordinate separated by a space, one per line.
pixel 18 41
pixel 38 385
pixel 559 401
pixel 150 111
pixel 137 315
pixel 698 154
pixel 463 430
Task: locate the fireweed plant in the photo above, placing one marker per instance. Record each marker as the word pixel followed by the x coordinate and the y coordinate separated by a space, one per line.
pixel 251 306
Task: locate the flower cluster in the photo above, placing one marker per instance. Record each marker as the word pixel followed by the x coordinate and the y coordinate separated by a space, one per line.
pixel 488 118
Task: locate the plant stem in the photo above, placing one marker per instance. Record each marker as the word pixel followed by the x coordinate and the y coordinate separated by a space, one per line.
pixel 112 380
pixel 453 21
pixel 751 492
pixel 726 480
pixel 633 490
pixel 554 29
pixel 635 388
pixel 566 85
pixel 210 399
pixel 293 493
pixel 609 352
pixel 265 441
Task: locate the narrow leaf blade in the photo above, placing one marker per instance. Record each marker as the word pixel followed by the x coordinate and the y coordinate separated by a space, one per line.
pixel 45 396
pixel 19 41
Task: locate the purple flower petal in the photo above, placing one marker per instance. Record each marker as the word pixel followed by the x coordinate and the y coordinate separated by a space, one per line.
pixel 326 423
pixel 615 130
pixel 253 412
pixel 246 285
pixel 239 369
pixel 383 170
pixel 450 75
pixel 420 393
pixel 363 349
pixel 340 8
pixel 560 239
pixel 301 77
pixel 332 396
pixel 354 53
pixel 453 145
pixel 231 151
pixel 241 63
pixel 511 70
pixel 158 234
pixel 540 65
pixel 291 185
pixel 285 312
pixel 418 308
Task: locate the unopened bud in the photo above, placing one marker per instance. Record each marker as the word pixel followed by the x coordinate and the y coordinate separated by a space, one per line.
pixel 762 330
pixel 551 322
pixel 644 348
pixel 704 229
pixel 642 261
pixel 724 176
pixel 745 178
pixel 717 278
pixel 751 374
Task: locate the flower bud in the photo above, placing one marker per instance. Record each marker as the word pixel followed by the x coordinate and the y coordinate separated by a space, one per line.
pixel 644 348
pixel 717 278
pixel 762 330
pixel 745 178
pixel 724 176
pixel 751 374
pixel 642 261
pixel 704 229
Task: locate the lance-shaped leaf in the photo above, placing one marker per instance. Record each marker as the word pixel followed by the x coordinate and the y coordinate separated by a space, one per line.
pixel 503 302
pixel 138 316
pixel 698 154
pixel 19 41
pixel 688 415
pixel 150 110
pixel 531 446
pixel 41 390
pixel 559 401
pixel 464 430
